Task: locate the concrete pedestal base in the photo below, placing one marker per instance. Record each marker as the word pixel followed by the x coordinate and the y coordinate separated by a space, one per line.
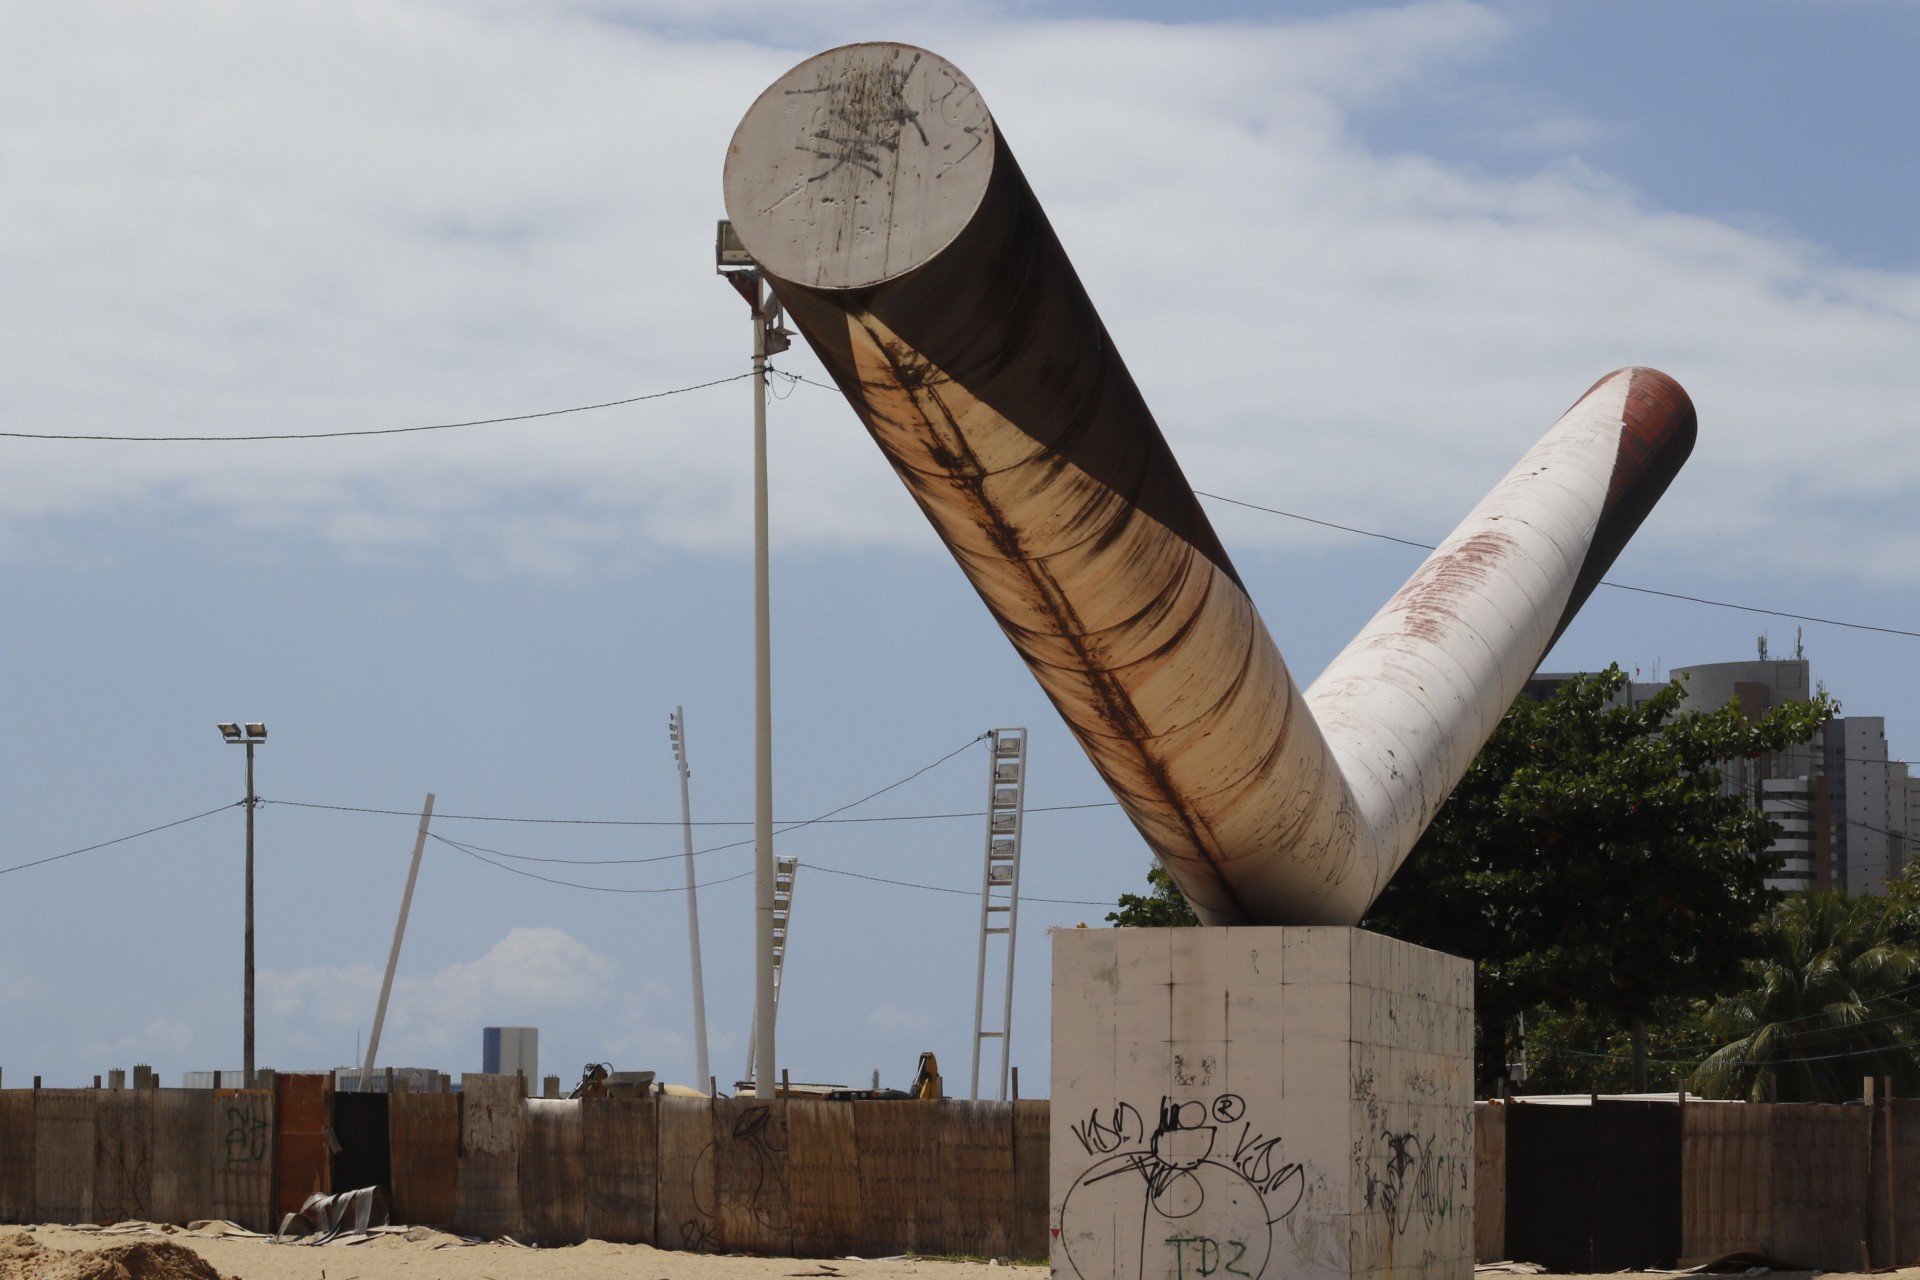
pixel 1248 1102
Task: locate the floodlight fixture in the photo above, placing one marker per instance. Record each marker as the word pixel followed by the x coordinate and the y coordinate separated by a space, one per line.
pixel 231 732
pixel 256 732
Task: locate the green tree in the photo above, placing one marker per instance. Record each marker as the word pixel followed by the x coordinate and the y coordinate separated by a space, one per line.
pixel 1832 998
pixel 1574 1051
pixel 1590 860
pixel 1162 906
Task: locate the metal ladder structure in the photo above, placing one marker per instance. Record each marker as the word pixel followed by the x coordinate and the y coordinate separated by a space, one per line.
pixel 785 871
pixel 1000 889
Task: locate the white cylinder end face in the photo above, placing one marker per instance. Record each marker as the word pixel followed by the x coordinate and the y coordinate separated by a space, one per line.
pixel 858 165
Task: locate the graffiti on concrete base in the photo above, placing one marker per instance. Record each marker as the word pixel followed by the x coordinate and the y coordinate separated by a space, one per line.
pixel 1144 1189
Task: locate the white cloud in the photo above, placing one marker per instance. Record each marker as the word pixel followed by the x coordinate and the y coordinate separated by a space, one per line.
pixel 311 216
pixel 530 975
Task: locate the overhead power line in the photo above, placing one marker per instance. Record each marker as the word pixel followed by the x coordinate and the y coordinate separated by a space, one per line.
pixel 74 853
pixel 790 823
pixel 376 431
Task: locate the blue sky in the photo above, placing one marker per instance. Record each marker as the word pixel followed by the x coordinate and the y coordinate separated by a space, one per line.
pixel 1358 257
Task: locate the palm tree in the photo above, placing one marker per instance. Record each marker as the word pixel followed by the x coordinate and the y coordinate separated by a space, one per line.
pixel 1835 997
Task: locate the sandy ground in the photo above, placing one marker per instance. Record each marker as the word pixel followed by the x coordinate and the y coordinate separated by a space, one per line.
pixel 430 1255
pixel 424 1254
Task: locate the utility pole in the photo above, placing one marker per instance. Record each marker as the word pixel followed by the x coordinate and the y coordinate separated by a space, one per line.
pixel 399 932
pixel 256 733
pixel 769 338
pixel 677 729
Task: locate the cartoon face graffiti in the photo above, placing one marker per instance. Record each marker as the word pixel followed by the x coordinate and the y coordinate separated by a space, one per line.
pixel 1196 1196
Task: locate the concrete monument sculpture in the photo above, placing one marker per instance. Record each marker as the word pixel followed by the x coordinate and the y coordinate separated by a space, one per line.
pixel 1293 1098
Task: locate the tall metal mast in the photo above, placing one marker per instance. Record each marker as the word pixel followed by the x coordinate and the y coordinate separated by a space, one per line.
pixel 1000 889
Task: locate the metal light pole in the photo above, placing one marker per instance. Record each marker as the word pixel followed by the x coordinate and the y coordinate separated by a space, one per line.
pixel 769 338
pixel 255 734
pixel 677 730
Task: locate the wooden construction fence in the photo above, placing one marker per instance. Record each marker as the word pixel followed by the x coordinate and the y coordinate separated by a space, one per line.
pixel 1835 1188
pixel 796 1177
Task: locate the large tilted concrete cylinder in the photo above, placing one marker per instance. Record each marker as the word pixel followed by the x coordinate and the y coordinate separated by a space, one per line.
pixel 884 207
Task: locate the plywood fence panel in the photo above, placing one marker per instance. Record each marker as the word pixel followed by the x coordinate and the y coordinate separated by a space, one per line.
pixel 899 1176
pixel 63 1154
pixel 243 1157
pixel 423 1133
pixel 1822 1185
pixel 975 1202
pixel 303 1158
pixel 824 1159
pixel 553 1172
pixel 1726 1191
pixel 1489 1181
pixel 1905 1172
pixel 619 1137
pixel 487 1184
pixel 183 1143
pixel 123 1156
pixel 1032 1131
pixel 16 1156
pixel 685 1215
pixel 751 1176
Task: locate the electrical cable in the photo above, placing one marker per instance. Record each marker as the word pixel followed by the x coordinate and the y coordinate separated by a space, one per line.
pixel 940 888
pixel 377 431
pixel 1428 546
pixel 74 853
pixel 573 884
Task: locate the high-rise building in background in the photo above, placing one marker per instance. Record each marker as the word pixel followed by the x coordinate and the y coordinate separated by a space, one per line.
pixel 507 1050
pixel 1844 810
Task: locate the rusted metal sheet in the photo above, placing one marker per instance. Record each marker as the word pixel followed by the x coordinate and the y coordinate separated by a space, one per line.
pixel 882 203
pixel 686 1216
pixel 303 1151
pixel 183 1146
pixel 824 1157
pixel 63 1157
pixel 623 1168
pixel 16 1156
pixel 423 1130
pixel 243 1157
pixel 123 1156
pixel 553 1172
pixel 487 1185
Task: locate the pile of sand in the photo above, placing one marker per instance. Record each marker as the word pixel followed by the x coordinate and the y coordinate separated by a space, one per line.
pixel 24 1258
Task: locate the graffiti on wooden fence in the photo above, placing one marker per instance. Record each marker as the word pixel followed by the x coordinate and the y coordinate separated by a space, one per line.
pixel 245 1126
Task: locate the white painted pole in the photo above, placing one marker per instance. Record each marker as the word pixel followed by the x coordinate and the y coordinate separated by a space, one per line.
pixel 693 903
pixel 766 1065
pixel 399 932
pixel 986 888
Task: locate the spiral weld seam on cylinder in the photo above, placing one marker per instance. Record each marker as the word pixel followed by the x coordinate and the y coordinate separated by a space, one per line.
pixel 890 218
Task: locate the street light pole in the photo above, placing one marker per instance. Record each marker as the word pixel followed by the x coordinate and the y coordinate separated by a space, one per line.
pixel 769 338
pixel 255 734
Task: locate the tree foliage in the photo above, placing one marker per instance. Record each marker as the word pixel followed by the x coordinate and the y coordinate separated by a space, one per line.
pixel 1590 860
pixel 1591 866
pixel 1162 906
pixel 1831 998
